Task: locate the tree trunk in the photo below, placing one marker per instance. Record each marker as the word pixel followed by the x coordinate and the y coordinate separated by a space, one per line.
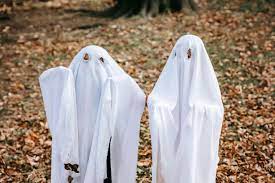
pixel 148 7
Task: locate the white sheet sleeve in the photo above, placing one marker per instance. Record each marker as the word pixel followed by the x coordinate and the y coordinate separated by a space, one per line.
pixel 58 91
pixel 128 106
pixel 163 136
pixel 200 143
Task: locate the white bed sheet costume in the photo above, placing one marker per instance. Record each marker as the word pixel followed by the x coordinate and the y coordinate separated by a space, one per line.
pixel 186 113
pixel 87 104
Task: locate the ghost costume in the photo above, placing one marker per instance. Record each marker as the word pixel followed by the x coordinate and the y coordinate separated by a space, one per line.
pixel 186 113
pixel 91 107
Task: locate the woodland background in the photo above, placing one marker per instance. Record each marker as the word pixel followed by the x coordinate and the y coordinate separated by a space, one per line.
pixel 238 34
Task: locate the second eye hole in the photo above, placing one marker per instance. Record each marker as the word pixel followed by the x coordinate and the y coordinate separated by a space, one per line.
pixel 101 59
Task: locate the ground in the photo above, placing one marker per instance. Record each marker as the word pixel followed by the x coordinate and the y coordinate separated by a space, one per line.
pixel 239 38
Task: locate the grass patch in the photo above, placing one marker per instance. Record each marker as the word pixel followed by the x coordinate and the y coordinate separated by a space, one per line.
pixel 257 6
pixel 7 39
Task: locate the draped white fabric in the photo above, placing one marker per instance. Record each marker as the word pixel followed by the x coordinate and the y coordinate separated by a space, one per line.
pixel 186 113
pixel 57 86
pixel 108 105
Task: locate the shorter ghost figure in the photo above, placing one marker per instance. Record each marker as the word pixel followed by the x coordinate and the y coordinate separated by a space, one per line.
pixel 91 107
pixel 186 113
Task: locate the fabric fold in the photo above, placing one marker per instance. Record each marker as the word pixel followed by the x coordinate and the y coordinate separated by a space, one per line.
pixel 123 129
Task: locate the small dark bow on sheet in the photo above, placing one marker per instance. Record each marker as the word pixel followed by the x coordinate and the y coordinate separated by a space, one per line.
pixel 70 179
pixel 72 167
pixel 101 59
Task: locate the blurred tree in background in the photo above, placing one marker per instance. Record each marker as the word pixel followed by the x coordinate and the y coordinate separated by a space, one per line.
pixel 127 8
pixel 6 7
pixel 149 7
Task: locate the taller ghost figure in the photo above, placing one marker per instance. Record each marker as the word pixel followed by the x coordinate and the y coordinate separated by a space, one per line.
pixel 186 113
pixel 91 107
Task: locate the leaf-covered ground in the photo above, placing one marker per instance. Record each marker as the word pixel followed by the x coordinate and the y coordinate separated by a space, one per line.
pixel 239 37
